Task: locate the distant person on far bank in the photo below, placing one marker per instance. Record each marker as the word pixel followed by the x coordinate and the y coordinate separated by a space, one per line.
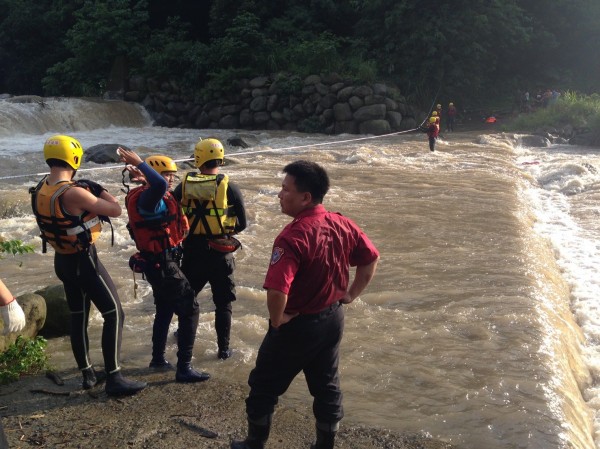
pixel 451 119
pixel 10 310
pixel 158 227
pixel 526 102
pixel 307 282
pixel 69 214
pixel 438 110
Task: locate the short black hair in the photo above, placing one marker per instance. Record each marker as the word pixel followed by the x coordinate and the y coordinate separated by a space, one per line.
pixel 52 162
pixel 213 163
pixel 309 177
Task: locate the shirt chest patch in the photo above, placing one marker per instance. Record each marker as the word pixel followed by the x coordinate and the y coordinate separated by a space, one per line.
pixel 277 254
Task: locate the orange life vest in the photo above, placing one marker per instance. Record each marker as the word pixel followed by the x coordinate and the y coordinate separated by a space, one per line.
pixel 156 235
pixel 68 234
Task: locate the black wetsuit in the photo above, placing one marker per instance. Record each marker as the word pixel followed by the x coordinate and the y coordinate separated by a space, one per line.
pixel 203 265
pixel 173 294
pixel 86 281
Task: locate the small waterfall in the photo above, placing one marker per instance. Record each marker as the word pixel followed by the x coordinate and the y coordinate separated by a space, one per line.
pixel 39 115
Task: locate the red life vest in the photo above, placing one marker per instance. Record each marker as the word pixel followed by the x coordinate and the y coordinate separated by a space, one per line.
pixel 157 234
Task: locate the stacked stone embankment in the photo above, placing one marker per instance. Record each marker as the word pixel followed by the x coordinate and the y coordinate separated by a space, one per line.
pixel 319 103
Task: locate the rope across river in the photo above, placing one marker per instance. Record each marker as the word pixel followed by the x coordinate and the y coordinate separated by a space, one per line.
pixel 252 152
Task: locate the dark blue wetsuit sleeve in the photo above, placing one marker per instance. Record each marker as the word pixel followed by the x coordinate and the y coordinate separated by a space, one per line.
pixel 151 198
pixel 234 196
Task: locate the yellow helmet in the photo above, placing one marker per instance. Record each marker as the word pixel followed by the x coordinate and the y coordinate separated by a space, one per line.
pixel 161 163
pixel 207 150
pixel 64 148
pixel 434 113
pixel 432 120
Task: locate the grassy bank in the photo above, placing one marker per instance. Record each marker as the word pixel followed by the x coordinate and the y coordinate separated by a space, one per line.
pixel 582 112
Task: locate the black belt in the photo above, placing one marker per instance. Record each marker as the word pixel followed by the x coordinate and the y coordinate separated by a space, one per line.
pixel 323 313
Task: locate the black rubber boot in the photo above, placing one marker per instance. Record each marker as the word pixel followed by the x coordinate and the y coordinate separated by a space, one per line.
pixel 185 344
pixel 258 434
pixel 325 435
pixel 91 377
pixel 185 373
pixel 160 363
pixel 160 334
pixel 117 385
pixel 224 354
pixel 223 328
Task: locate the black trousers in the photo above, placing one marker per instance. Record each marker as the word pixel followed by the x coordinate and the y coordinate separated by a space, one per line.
pixel 87 282
pixel 202 265
pixel 432 143
pixel 308 343
pixel 173 295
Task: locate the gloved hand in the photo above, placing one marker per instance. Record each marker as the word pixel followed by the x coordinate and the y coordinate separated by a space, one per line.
pixel 95 188
pixel 13 317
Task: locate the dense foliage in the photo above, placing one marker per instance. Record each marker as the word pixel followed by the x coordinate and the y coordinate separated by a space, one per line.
pixel 476 50
pixel 577 110
pixel 24 356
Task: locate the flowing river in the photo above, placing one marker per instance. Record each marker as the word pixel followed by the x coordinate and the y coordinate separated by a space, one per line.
pixel 481 327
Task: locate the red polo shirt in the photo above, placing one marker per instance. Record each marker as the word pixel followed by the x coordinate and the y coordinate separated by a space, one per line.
pixel 312 256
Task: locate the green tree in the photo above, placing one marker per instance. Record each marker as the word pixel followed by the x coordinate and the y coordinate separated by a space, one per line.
pixel 103 31
pixel 176 56
pixel 563 48
pixel 467 50
pixel 457 46
pixel 31 40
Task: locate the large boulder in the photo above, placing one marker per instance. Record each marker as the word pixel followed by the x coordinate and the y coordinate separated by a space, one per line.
pixel 394 119
pixel 376 127
pixel 534 141
pixel 34 307
pixel 371 112
pixel 104 153
pixel 342 112
pixel 242 140
pixel 58 316
pixel 408 123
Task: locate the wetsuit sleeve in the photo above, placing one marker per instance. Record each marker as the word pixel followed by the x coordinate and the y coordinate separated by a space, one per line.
pixel 234 197
pixel 150 199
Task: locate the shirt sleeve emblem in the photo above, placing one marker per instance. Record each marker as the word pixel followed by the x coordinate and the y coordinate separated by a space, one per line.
pixel 277 254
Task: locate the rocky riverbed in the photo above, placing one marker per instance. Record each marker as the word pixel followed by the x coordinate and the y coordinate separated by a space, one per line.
pixel 36 412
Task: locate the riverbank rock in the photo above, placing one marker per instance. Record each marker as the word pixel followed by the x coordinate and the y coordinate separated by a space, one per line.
pixel 165 415
pixel 34 307
pixel 534 141
pixel 103 153
pixel 58 316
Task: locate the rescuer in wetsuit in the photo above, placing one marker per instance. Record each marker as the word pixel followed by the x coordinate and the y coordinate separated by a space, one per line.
pixel 69 215
pixel 158 227
pixel 215 209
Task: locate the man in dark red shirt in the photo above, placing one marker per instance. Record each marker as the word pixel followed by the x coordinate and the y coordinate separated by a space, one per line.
pixel 307 282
